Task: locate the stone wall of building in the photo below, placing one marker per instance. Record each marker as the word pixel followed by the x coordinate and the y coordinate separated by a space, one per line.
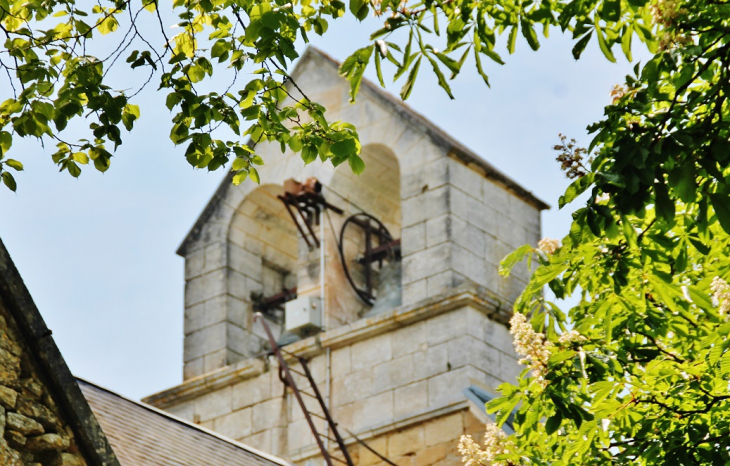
pixel 32 428
pixel 456 217
pixel 397 381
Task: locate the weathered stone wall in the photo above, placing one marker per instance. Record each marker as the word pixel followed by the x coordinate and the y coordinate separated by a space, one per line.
pixel 456 218
pixel 401 390
pixel 32 428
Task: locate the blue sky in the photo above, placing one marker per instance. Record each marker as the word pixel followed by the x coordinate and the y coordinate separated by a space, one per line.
pixel 98 252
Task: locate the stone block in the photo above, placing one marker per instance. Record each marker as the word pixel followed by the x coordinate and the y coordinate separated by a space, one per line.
pixel 38 412
pixel 416 291
pixel 215 360
pixel 340 362
pixel 483 272
pixel 47 442
pixel 242 342
pixel 426 205
pixel 440 283
pixel 411 399
pixel 444 429
pixel 439 229
pixel 373 411
pixel 193 368
pixel 447 389
pixel 204 314
pixel 467 179
pixel 426 263
pixel 511 232
pixel 459 202
pixel 236 311
pixel 498 336
pixel 509 368
pixel 393 374
pixel 269 414
pixel 496 197
pixel 236 425
pixel 409 339
pixel 460 259
pixel 524 214
pixel 428 363
pixel 24 425
pixel 408 146
pixel 205 287
pixel 299 435
pixel 260 440
pixel 484 217
pixel 244 261
pixel 371 352
pixel 413 239
pixel 8 397
pixel 494 250
pixel 406 442
pixel 185 410
pixel 251 391
pixel 511 287
pixel 204 341
pixel 367 458
pixel 467 350
pixel 215 256
pixel 214 404
pixel 194 264
pixel 435 456
pixel 447 326
pixel 430 176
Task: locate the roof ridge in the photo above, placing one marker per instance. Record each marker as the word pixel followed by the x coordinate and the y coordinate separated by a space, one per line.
pixel 185 422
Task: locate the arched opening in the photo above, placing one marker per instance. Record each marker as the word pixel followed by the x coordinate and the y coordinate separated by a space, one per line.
pixel 263 255
pixel 372 265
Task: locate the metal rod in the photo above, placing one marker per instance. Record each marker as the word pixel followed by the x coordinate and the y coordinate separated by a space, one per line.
pixel 290 380
pixel 332 424
pixel 296 222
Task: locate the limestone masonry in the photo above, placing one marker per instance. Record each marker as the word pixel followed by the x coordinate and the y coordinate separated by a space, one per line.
pixel 396 372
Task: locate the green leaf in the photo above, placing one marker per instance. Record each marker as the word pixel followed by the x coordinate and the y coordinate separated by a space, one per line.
pixel 580 46
pixel 513 258
pixel 14 164
pixel 405 92
pixel 553 423
pixel 356 164
pixel 610 10
pixel 530 35
pixel 344 148
pixel 239 177
pixel 254 175
pixel 512 41
pixel 9 181
pixel 441 79
pixel 6 140
pixel 602 41
pixel 721 204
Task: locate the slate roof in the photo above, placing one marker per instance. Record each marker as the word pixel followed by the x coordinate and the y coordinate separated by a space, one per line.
pixel 142 435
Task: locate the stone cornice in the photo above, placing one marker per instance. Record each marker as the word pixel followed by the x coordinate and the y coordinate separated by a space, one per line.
pixel 465 295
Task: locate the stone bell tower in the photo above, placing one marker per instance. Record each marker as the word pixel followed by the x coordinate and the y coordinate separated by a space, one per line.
pixel 409 338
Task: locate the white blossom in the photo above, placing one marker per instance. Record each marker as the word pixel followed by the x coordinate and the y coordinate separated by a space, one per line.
pixel 572 336
pixel 531 345
pixel 495 443
pixel 721 296
pixel 548 246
